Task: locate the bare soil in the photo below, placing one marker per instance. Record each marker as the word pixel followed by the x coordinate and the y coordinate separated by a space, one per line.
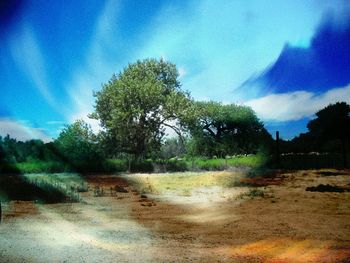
pixel 285 224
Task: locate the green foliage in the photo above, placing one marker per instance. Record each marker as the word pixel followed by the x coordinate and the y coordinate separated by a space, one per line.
pixel 77 146
pixel 219 129
pixel 116 165
pixel 221 164
pixel 135 105
pixel 172 147
pixel 36 166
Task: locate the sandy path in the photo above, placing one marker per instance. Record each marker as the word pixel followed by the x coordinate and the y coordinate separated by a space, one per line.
pixel 100 230
pixel 209 225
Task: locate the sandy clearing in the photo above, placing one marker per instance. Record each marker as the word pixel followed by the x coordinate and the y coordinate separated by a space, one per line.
pixel 206 225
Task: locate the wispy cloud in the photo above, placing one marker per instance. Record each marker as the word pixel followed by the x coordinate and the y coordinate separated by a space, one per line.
pixel 21 130
pixel 27 54
pixel 55 122
pixel 98 66
pixel 223 43
pixel 292 106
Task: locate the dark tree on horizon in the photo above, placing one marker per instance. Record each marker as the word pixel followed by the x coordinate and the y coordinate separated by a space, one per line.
pixel 332 123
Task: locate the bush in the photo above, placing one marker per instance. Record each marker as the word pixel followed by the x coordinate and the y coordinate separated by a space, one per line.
pixel 115 165
pixel 170 165
pixel 145 166
pixel 252 161
pixel 42 167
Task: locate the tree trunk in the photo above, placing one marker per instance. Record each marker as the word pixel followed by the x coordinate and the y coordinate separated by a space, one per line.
pixel 277 148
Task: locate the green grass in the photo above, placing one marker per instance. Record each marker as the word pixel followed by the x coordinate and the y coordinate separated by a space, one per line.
pixel 252 161
pixel 116 165
pixel 41 167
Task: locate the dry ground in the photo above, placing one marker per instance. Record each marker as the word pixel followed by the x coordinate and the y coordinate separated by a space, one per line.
pixel 280 222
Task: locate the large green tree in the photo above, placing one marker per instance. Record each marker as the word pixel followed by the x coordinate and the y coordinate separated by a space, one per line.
pixel 225 129
pixel 136 105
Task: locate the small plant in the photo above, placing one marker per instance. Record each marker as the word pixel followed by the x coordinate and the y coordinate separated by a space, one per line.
pixel 82 188
pixel 252 193
pixel 186 192
pixel 98 191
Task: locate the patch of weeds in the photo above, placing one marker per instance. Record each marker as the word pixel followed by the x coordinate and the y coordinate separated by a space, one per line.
pixel 256 193
pixel 186 192
pixel 83 188
pixel 98 191
pixel 120 189
pixel 252 193
pixel 325 188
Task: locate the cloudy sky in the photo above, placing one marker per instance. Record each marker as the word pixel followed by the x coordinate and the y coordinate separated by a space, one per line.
pixel 285 59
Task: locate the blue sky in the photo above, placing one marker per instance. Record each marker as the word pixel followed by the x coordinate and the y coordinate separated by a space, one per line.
pixel 285 59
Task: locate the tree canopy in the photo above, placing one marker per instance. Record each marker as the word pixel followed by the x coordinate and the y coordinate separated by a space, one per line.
pixel 225 129
pixel 76 144
pixel 136 105
pixel 332 127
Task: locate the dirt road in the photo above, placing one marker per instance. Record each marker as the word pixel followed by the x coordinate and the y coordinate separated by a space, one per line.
pixel 283 224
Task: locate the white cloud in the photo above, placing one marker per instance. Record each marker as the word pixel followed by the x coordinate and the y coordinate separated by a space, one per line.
pixel 95 124
pixel 21 130
pixel 182 72
pixel 296 105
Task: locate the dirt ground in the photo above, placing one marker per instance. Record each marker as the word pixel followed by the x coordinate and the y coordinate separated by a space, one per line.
pixel 284 224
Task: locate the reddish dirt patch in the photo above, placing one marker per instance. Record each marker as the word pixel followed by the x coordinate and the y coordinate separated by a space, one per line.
pixel 20 209
pixel 261 181
pixel 107 181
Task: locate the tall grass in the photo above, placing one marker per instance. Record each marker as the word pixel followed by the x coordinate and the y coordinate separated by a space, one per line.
pixel 45 188
pixel 252 161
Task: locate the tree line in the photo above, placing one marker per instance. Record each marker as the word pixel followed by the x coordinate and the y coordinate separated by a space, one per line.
pixel 140 104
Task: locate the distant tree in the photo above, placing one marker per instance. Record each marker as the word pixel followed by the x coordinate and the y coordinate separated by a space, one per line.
pixel 136 105
pixel 332 124
pixel 77 145
pixel 173 147
pixel 9 149
pixel 226 129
